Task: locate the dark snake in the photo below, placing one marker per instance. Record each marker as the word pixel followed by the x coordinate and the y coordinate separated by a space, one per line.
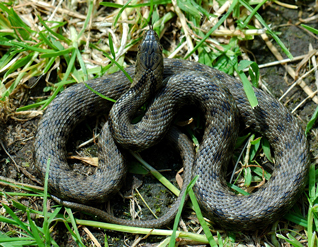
pixel 171 84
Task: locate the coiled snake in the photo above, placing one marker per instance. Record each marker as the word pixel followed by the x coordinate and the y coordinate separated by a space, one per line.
pixel 176 83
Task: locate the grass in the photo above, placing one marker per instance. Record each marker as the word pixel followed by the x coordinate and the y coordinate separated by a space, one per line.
pixel 61 47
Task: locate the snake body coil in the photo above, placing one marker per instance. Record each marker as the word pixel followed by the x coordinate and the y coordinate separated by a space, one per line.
pixel 223 102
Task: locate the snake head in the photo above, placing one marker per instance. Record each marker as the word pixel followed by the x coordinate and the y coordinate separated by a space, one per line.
pixel 149 64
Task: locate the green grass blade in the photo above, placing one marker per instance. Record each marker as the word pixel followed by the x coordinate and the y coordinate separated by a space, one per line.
pixel 23 45
pixel 224 17
pixel 253 70
pixel 46 222
pixel 248 89
pixel 119 66
pixel 189 8
pixel 111 46
pixel 205 227
pixel 20 28
pixel 88 17
pixel 58 36
pixel 160 24
pixel 250 16
pixel 312 184
pixel 36 234
pixel 70 66
pixel 82 64
pixel 20 63
pixel 17 80
pixel 177 218
pixel 259 171
pixel 17 241
pixel 48 65
pixel 267 149
pixel 8 220
pixel 261 20
pixel 76 234
pixel 299 220
pixel 58 53
pixel 310 221
pixel 120 12
pixel 238 189
pixel 290 239
pixel 99 94
pixel 4 22
pixel 7 57
pixel 31 106
pixel 312 121
pixel 247 176
pixel 311 29
pixel 47 41
pixel 48 101
pixel 17 220
pixel 157 175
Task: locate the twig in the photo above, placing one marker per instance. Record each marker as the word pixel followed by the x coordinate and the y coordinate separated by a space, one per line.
pixel 314 63
pixel 184 26
pixel 289 69
pixel 297 82
pixel 124 36
pixel 287 60
pixel 91 236
pixel 301 103
pixel 10 180
pixel 290 6
pixel 175 52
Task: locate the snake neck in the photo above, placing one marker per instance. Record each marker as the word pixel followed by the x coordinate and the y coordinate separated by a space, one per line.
pixel 147 80
pixel 125 109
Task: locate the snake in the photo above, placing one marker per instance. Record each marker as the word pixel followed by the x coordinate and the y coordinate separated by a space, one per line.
pixel 167 85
